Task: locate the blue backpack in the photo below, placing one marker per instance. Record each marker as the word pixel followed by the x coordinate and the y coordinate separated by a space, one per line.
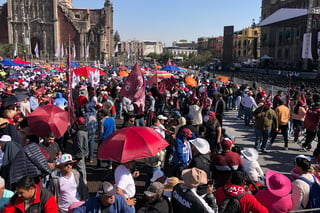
pixel 314 195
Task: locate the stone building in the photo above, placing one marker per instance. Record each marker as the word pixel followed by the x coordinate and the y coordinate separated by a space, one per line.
pixel 49 23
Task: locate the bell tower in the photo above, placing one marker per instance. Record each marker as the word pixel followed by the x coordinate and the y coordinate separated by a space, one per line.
pixel 66 3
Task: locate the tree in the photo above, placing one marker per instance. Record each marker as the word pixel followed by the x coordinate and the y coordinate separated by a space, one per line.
pixel 6 50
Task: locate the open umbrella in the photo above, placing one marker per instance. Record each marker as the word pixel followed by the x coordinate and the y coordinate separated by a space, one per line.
pixel 191 81
pixel 85 71
pixel 222 79
pixel 161 74
pixel 131 143
pixel 48 118
pixel 14 99
pixel 123 73
pixel 170 68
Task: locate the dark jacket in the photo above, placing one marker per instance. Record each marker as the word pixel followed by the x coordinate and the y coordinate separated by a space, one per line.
pixel 80 142
pixel 12 131
pixel 43 202
pixel 160 205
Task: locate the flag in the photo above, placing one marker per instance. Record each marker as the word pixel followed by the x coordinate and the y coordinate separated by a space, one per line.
pixel 57 54
pixel 36 50
pixel 74 51
pixel 116 49
pixel 134 87
pixel 62 51
pixel 75 80
pixel 15 50
pixel 87 52
pixel 169 61
pixel 306 46
pixel 128 51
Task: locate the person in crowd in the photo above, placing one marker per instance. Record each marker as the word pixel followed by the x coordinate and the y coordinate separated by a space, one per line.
pixel 220 108
pixel 60 101
pixel 283 116
pixel 248 103
pixel 124 180
pixel 300 188
pixel 107 200
pixel 251 165
pixel 33 100
pixel 298 116
pixel 181 122
pixel 5 195
pixel 107 126
pixel 169 185
pixel 25 107
pixel 127 106
pixel 67 186
pixel 195 111
pixel 10 149
pixel 223 164
pixel 52 148
pixel 277 197
pixel 129 120
pixel 155 201
pixel 9 128
pixel 153 164
pixel 189 125
pixel 182 150
pixel 79 134
pixel 91 123
pixel 265 117
pixel 184 196
pixel 213 132
pixel 235 188
pixel 29 197
pixel 201 160
pixel 276 99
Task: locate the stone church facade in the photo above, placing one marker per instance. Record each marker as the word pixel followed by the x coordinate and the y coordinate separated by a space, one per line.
pixel 49 23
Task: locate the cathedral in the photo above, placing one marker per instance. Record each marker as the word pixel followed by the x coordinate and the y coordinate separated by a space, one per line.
pixel 46 25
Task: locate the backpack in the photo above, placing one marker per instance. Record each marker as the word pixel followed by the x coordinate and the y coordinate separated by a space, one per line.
pixel 311 120
pixel 314 195
pixel 230 204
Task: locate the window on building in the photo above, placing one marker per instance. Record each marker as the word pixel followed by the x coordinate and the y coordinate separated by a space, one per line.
pixel 77 16
pixel 264 37
pixel 244 53
pixel 280 36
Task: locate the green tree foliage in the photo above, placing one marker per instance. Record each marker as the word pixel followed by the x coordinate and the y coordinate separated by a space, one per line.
pixel 6 50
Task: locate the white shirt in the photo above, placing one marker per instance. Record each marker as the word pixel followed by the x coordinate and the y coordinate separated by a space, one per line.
pixel 159 129
pixel 252 168
pixel 125 181
pixel 68 192
pixel 248 102
pixel 195 111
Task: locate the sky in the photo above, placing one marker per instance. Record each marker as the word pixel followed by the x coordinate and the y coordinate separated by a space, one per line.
pixel 172 20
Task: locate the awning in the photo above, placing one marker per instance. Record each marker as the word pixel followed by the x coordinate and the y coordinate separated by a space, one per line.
pixel 283 14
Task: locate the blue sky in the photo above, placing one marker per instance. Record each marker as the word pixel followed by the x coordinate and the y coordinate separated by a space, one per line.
pixel 172 20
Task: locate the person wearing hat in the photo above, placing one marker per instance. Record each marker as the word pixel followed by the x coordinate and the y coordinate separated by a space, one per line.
pixel 67 186
pixel 60 101
pixel 251 165
pixel 300 188
pixel 107 200
pixel 236 188
pixel 5 195
pixel 169 185
pixel 265 118
pixel 9 128
pixel 213 132
pixel 222 163
pixel 277 197
pixel 155 201
pixel 182 153
pixel 189 125
pixel 79 135
pixel 184 195
pixel 201 160
pixel 152 102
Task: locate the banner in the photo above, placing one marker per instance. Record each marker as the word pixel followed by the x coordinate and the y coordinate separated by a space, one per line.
pixel 306 47
pixel 57 54
pixel 36 50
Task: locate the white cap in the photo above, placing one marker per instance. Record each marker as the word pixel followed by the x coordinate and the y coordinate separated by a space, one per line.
pixel 162 117
pixel 156 175
pixel 5 138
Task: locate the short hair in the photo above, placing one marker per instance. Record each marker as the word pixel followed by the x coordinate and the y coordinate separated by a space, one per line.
pixel 154 120
pixel 237 178
pixel 280 102
pixel 51 135
pixel 303 163
pixel 25 183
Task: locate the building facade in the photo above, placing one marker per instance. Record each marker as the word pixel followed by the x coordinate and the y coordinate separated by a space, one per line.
pixel 49 24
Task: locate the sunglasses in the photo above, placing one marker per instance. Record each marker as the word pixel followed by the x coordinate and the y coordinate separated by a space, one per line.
pixel 68 164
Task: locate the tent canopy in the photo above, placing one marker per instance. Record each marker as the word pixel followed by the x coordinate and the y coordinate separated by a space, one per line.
pixel 283 14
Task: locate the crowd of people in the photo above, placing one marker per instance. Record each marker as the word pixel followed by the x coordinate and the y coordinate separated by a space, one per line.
pixel 202 169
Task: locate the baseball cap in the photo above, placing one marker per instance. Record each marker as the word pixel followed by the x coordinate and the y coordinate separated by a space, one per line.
pixel 154 189
pixel 66 158
pixel 212 114
pixel 227 143
pixel 106 188
pixel 5 138
pixel 81 120
pixel 162 117
pixel 308 158
pixel 187 132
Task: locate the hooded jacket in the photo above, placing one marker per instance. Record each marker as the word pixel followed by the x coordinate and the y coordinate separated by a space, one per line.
pixel 60 101
pixel 248 202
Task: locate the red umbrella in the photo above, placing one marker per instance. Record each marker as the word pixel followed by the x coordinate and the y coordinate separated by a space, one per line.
pixel 20 61
pixel 2 85
pixel 48 118
pixel 131 143
pixel 85 71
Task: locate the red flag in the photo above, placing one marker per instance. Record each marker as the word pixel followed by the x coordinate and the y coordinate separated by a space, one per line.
pixel 151 81
pixel 169 61
pixel 134 86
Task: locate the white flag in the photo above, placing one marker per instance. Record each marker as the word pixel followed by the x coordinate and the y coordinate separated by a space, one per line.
pixel 57 54
pixel 96 78
pixel 116 49
pixel 306 46
pixel 75 80
pixel 36 50
pixel 129 53
pixel 62 51
pixel 74 51
pixel 87 52
pixel 15 50
pixel 91 78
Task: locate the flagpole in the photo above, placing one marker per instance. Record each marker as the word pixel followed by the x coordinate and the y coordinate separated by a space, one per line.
pixel 70 101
